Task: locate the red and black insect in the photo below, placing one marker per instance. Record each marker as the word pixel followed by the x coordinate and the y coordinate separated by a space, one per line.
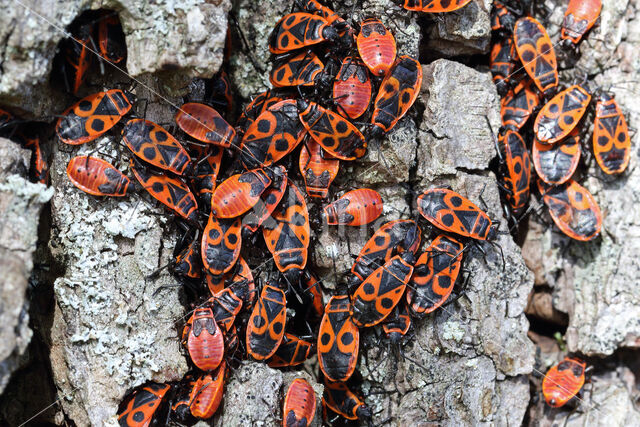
pixel 398 91
pixel 580 17
pixel 518 105
pixel 242 285
pixel 352 88
pixel 77 56
pixel 292 351
pixel 377 46
pixel 338 340
pixel 300 29
pixel 377 296
pixel 180 407
pixel 92 116
pixel 203 339
pixel 343 401
pixel 156 146
pixel 390 239
pixel 561 114
pixel 207 392
pixel 271 197
pixel 503 61
pixel 314 6
pixel 96 176
pixel 171 192
pixel 141 407
pixel 288 236
pixel 563 381
pixel 317 168
pixel 573 209
pixel 611 141
pixel 434 275
pixel 239 193
pixel 273 135
pixel 188 262
pixel 225 306
pixel 221 243
pixel 435 6
pixel 265 328
pixel 502 20
pixel 515 174
pixel 397 327
pixel 205 124
pixel 257 106
pixel 300 70
pixel 355 208
pixel 556 163
pixel 338 136
pixel 206 173
pixel 536 52
pixel 449 211
pixel 111 39
pixel 299 404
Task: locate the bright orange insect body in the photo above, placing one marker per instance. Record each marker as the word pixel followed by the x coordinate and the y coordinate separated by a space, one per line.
pixel 92 116
pixel 352 88
pixel 300 29
pixel 434 275
pixel 288 236
pixel 338 340
pixel 221 243
pixel 398 91
pixel 205 124
pixel 338 136
pixel 518 105
pixel 301 70
pixel 449 211
pixel 273 135
pixel 573 209
pixel 140 408
pixel 96 176
pixel 435 6
pixel 580 17
pixel 207 392
pixel 611 141
pixel 292 351
pixel 561 114
pixel 516 170
pixel 239 193
pixel 377 296
pixel 563 381
pixel 265 329
pixel 204 339
pixel 268 202
pixel 299 404
pixel 171 192
pixel 357 207
pixel 317 168
pixel 156 146
pixel 535 50
pixel 377 46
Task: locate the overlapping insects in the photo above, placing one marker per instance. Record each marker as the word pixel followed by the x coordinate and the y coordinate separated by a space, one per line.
pixel 229 185
pixel 544 124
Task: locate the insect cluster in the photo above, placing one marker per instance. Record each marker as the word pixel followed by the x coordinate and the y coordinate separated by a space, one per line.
pixel 525 70
pixel 233 187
